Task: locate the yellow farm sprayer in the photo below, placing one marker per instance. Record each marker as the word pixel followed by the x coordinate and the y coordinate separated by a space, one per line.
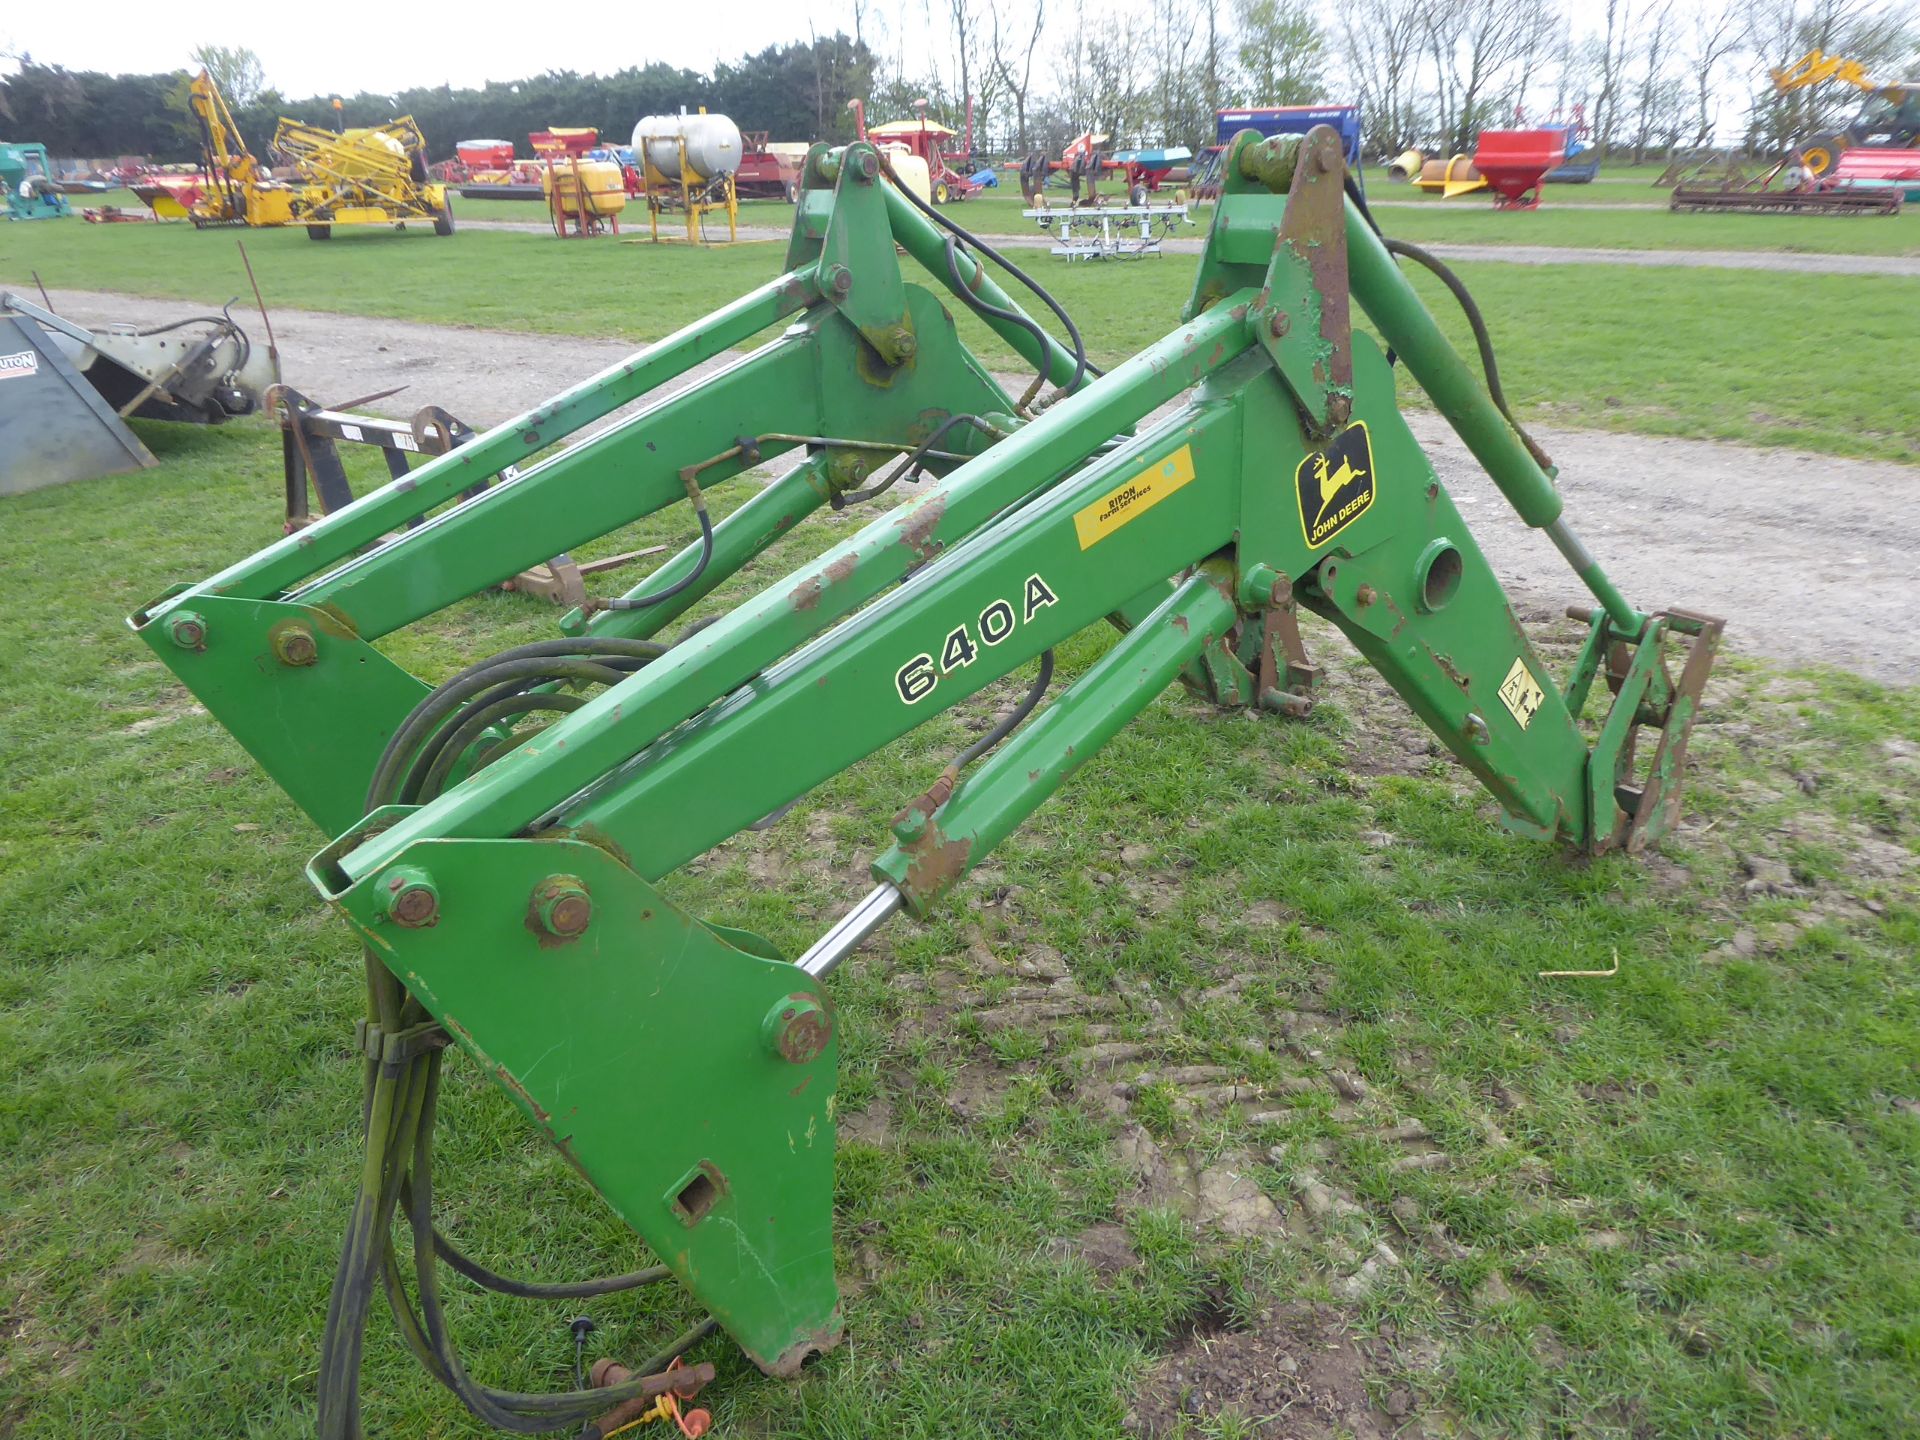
pixel 374 175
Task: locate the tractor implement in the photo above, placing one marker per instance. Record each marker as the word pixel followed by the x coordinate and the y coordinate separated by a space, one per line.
pixel 508 836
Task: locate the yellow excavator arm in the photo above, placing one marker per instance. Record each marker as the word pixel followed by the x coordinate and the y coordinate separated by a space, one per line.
pixel 221 144
pixel 1816 67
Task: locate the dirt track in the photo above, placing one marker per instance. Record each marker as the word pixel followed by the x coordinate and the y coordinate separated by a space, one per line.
pixel 1901 265
pixel 1811 559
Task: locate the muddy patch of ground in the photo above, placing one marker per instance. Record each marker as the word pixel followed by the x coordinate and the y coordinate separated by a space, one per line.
pixel 1297 1373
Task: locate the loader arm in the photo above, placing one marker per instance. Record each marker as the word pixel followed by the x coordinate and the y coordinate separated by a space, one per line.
pixel 515 907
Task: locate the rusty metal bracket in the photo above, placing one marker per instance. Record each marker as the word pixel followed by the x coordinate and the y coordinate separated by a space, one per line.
pixel 1302 315
pixel 1645 697
pixel 1288 690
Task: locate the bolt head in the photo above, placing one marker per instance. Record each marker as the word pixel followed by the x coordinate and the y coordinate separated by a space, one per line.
pixel 904 344
pixel 1278 324
pixel 798 1029
pixel 1258 585
pixel 296 646
pixel 839 279
pixel 869 165
pixel 410 898
pixel 562 908
pixel 187 629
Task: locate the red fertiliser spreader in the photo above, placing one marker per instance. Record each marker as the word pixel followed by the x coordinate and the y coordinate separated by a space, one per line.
pixel 1515 162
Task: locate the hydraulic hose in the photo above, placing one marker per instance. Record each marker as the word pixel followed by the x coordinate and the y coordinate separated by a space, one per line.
pixel 915 459
pixel 1012 720
pixel 402 1087
pixel 1482 339
pixel 1082 366
pixel 667 592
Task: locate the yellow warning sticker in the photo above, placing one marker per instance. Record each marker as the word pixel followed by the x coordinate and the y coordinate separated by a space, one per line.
pixel 1133 498
pixel 1521 693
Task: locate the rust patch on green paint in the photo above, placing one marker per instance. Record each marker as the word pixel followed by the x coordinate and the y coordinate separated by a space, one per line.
pixel 918 525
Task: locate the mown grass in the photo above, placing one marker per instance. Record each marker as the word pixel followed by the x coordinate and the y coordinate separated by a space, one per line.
pixel 1662 351
pixel 1699 1192
pixel 1568 217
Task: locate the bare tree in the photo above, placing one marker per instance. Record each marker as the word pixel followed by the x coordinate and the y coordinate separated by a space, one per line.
pixel 1213 78
pixel 1712 38
pixel 966 25
pixel 1482 50
pixel 1383 47
pixel 1654 96
pixel 1013 64
pixel 1178 100
pixel 1615 46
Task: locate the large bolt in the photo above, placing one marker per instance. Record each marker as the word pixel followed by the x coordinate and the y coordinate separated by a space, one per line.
pixel 869 167
pixel 1278 324
pixel 409 897
pixel 904 343
pixel 839 279
pixel 798 1029
pixel 295 646
pixel 1257 585
pixel 562 908
pixel 187 629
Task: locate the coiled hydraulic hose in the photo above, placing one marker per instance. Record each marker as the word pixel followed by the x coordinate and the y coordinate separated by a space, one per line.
pixel 403 1082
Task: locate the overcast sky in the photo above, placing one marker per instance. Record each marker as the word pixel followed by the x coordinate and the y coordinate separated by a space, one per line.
pixel 345 46
pixel 342 46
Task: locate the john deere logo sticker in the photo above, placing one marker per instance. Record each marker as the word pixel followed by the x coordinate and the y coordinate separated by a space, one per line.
pixel 1521 693
pixel 1335 485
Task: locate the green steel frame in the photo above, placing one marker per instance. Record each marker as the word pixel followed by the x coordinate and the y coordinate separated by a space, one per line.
pixel 1287 479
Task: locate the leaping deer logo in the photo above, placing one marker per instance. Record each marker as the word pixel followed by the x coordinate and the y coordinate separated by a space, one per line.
pixel 1331 483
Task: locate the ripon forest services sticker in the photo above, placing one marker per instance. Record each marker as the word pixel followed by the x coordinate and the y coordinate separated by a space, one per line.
pixel 1521 693
pixel 1132 498
pixel 1335 485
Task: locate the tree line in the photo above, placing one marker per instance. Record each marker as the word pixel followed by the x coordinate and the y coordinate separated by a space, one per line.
pixel 797 91
pixel 1648 76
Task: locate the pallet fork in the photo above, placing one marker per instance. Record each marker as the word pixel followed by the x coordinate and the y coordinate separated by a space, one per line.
pixel 505 881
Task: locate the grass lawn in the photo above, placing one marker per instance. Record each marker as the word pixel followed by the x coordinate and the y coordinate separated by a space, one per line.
pixel 1567 219
pixel 1662 350
pixel 1675 1202
pixel 1473 220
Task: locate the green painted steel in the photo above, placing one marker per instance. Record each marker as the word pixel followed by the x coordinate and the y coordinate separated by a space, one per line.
pixel 731 1182
pixel 684 1067
pixel 623 720
pixel 821 379
pixel 317 737
pixel 737 539
pixel 931 857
